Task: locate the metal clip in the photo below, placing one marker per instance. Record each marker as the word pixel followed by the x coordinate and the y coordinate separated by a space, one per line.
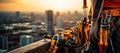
pixel 58 37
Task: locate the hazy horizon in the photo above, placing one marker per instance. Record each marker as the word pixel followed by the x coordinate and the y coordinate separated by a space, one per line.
pixel 42 5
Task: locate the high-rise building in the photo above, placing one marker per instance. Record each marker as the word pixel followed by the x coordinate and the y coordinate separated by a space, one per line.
pixel 49 22
pixel 57 13
pixel 17 14
pixel 4 42
pixel 76 12
pixel 69 15
pixel 58 20
pixel 32 15
pixel 68 12
pixel 25 40
pixel 55 18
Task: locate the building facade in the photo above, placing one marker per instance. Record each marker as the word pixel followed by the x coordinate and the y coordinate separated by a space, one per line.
pixel 49 22
pixel 4 42
pixel 25 40
pixel 17 14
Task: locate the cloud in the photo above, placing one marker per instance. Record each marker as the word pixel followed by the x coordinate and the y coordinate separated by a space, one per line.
pixel 7 1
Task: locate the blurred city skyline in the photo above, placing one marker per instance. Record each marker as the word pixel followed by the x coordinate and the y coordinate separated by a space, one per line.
pixel 23 22
pixel 42 5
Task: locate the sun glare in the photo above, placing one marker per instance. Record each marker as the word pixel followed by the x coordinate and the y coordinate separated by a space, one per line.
pixel 42 5
pixel 58 5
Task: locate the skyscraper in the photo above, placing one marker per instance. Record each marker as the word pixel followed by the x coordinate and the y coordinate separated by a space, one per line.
pixel 49 22
pixel 68 12
pixel 57 13
pixel 4 42
pixel 25 39
pixel 55 18
pixel 17 14
pixel 32 15
pixel 58 20
pixel 76 12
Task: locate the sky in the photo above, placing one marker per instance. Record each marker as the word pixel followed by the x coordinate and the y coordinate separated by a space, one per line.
pixel 42 5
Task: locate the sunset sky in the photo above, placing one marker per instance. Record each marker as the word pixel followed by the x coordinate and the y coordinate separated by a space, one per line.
pixel 41 5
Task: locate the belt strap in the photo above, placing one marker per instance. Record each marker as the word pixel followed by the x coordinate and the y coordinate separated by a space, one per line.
pixel 115 12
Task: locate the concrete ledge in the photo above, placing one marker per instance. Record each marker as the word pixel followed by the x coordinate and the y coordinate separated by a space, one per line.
pixel 36 47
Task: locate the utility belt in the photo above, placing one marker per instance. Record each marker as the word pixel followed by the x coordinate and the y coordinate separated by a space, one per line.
pixel 111 16
pixel 115 12
pixel 109 23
